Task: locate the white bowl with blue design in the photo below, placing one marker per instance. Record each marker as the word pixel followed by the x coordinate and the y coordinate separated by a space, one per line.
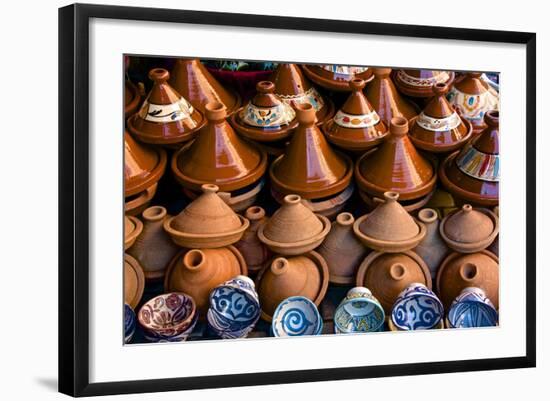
pixel 472 308
pixel 359 312
pixel 296 316
pixel 417 308
pixel 130 323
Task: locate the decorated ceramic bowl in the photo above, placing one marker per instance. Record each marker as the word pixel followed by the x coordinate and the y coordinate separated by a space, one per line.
pixel 359 312
pixel 234 308
pixel 472 308
pixel 296 316
pixel 129 323
pixel 417 308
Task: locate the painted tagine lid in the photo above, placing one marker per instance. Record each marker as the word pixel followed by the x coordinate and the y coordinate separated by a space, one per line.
pixel 419 83
pixel 439 128
pixel 310 167
pixel 356 126
pixel 218 156
pixel 143 165
pixel 266 118
pixel 385 98
pixel 396 166
pixel 165 116
pixel 473 173
pixel 291 86
pixel 336 77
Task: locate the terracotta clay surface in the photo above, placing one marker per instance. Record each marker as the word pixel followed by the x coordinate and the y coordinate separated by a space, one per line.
pixel 419 83
pixel 136 204
pixel 134 281
pixel 494 247
pixel 132 229
pixel 336 77
pixel 432 249
pixel 253 250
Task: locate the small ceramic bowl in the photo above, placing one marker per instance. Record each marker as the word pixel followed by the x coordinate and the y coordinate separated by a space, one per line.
pixel 129 323
pixel 417 308
pixel 472 308
pixel 359 312
pixel 296 316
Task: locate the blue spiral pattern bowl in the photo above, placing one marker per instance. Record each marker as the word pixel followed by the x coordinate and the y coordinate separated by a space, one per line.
pixel 359 312
pixel 296 316
pixel 472 308
pixel 417 308
pixel 130 323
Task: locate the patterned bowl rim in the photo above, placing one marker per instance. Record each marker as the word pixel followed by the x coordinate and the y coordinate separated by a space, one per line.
pixel 311 307
pixel 184 324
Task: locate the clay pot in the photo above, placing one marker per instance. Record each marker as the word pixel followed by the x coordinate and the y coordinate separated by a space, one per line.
pixel 194 82
pixel 432 249
pixel 473 174
pixel 197 272
pixel 336 77
pixel 495 245
pixel 356 126
pixel 305 275
pixel 207 222
pixel 132 98
pixel 132 228
pixel 438 128
pixel 154 249
pixel 266 118
pixel 460 271
pixel 165 116
pixel 136 204
pixel 419 83
pixel 291 86
pixel 386 100
pixel 134 281
pixel 342 251
pixel 143 166
pixel 389 228
pixel 387 274
pixel 255 253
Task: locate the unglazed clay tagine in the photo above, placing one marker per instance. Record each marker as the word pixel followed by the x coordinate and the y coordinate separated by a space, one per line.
pixel 134 281
pixel 472 308
pixel 432 249
pixel 359 312
pixel 165 116
pixel 419 83
pixel 132 228
pixel 336 77
pixel 296 316
pixel 253 250
pixel 136 204
pixel 356 126
pixel 417 308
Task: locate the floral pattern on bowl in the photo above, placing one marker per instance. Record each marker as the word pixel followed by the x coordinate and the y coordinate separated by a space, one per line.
pixel 472 308
pixel 296 316
pixel 417 308
pixel 359 312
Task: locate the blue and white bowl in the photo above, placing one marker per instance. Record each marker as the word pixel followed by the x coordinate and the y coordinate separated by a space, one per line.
pixel 296 316
pixel 359 312
pixel 130 323
pixel 472 308
pixel 234 308
pixel 417 308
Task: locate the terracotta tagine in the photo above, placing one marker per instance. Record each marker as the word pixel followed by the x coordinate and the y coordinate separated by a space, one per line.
pixel 439 128
pixel 207 222
pixel 495 245
pixel 472 174
pixel 132 98
pixel 291 86
pixel 197 272
pixel 387 274
pixel 134 281
pixel 342 251
pixel 459 271
pixel 385 98
pixel 419 83
pixel 336 77
pixel 253 250
pixel 389 228
pixel 305 275
pixel 153 248
pixel 432 249
pixel 191 79
pixel 356 126
pixel 132 229
pixel 165 116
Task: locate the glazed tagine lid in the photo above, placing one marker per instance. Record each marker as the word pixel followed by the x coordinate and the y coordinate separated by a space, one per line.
pixel 439 128
pixel 396 166
pixel 310 167
pixel 266 118
pixel 291 86
pixel 336 77
pixel 385 98
pixel 165 116
pixel 143 165
pixel 419 83
pixel 473 173
pixel 389 228
pixel 356 126
pixel 218 156
pixel 191 79
pixel 134 281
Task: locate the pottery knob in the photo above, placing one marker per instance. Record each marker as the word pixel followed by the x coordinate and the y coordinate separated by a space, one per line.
pixel 305 113
pixel 292 199
pixel 209 188
pixel 154 213
pixel 440 88
pixel 391 196
pixel 467 208
pixel 474 74
pixel 491 118
pixel 159 75
pixel 397 271
pixel 381 72
pixel 427 215
pixel 279 266
pixel 399 126
pixel 265 87
pixel 193 259
pixel 254 213
pixel 215 111
pixel 468 271
pixel 357 84
pixel 345 219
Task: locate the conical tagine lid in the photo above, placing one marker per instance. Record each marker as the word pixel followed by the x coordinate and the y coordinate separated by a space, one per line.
pixel 336 77
pixel 218 156
pixel 419 83
pixel 165 116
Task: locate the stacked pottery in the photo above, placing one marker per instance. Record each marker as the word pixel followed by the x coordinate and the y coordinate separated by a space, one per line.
pixel 336 77
pixel 132 229
pixel 472 308
pixel 134 281
pixel 419 83
pixel 432 249
pixel 255 253
pixel 359 312
pixel 132 97
pixel 296 316
pixel 416 308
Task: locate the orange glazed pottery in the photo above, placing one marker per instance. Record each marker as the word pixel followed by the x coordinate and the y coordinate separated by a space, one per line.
pixel 472 175
pixel 387 274
pixel 336 77
pixel 132 228
pixel 253 250
pixel 432 249
pixel 389 228
pixel 134 281
pixel 305 275
pixel 194 82
pixel 356 126
pixel 197 272
pixel 132 98
pixel 419 83
pixel 438 128
pixel 207 222
pixel 143 166
pixel 165 116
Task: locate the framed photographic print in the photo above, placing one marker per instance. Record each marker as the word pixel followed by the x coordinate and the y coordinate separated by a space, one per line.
pixel 277 200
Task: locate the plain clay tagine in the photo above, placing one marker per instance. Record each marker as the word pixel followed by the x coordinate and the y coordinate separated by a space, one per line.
pixel 336 77
pixel 432 249
pixel 134 281
pixel 419 83
pixel 132 229
pixel 255 252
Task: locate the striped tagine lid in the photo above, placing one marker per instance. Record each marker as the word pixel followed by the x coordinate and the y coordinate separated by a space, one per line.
pixel 336 77
pixel 419 83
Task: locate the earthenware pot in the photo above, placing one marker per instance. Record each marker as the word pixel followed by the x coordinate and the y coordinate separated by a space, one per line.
pixel 136 204
pixel 132 98
pixel 129 323
pixel 417 308
pixel 432 249
pixel 255 253
pixel 336 77
pixel 134 281
pixel 359 312
pixel 132 228
pixel 296 316
pixel 494 246
pixel 472 308
pixel 419 83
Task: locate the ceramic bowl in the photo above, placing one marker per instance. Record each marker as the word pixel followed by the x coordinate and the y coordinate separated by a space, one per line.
pixel 359 312
pixel 234 308
pixel 472 308
pixel 129 323
pixel 296 316
pixel 417 308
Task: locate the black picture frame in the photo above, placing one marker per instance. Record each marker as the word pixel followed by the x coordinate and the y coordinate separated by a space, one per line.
pixel 74 198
